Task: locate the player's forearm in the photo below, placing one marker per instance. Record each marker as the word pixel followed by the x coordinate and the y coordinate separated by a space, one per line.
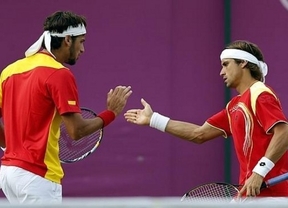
pixel 77 127
pixel 178 129
pixel 275 150
pixel 88 127
pixel 279 143
pixel 185 130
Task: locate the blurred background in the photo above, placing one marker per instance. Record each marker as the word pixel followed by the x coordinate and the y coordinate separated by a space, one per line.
pixel 168 51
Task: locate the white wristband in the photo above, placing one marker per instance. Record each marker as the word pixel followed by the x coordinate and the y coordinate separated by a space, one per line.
pixel 263 166
pixel 158 121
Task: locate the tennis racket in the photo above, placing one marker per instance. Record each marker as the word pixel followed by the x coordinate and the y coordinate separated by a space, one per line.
pixel 224 191
pixel 70 150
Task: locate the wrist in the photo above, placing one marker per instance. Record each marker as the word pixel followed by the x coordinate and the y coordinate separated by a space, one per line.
pixel 263 166
pixel 159 121
pixel 107 116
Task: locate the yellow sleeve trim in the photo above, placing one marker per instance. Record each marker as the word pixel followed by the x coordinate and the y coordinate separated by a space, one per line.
pixel 256 90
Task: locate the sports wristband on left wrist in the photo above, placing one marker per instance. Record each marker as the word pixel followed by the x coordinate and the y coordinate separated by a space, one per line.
pixel 107 116
pixel 263 166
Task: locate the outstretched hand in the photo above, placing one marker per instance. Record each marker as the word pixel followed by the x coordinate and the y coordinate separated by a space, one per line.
pixel 139 116
pixel 117 98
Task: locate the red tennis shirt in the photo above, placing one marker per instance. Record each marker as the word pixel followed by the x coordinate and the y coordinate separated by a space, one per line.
pixel 248 118
pixel 34 92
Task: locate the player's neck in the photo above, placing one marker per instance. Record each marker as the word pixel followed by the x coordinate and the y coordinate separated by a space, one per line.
pixel 245 85
pixel 57 54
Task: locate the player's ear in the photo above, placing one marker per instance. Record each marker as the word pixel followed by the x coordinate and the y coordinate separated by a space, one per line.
pixel 68 40
pixel 243 63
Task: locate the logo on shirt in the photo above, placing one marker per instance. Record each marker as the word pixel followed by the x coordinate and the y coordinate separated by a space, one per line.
pixel 234 108
pixel 262 164
pixel 71 102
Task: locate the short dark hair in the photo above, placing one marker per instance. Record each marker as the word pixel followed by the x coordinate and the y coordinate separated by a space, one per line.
pixel 252 48
pixel 58 22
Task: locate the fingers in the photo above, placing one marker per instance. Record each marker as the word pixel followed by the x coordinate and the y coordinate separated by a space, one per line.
pixel 117 98
pixel 139 116
pixel 252 192
pixel 144 103
pixel 246 193
pixel 127 92
pixel 131 115
pixel 110 93
pixel 132 111
pixel 122 91
pixel 242 192
pixel 252 186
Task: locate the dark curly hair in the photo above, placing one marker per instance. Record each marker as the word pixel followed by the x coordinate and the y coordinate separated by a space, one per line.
pixel 59 22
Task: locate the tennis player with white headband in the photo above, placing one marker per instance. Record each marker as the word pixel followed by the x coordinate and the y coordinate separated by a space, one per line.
pixel 254 119
pixel 36 94
pixel 243 55
pixel 46 38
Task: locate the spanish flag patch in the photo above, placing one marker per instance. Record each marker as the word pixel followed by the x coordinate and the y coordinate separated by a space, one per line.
pixel 71 102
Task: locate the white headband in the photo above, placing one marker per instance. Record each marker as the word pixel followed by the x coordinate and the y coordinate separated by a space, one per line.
pixel 46 37
pixel 243 55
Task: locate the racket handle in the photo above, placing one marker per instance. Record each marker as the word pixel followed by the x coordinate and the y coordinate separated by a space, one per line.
pixel 275 180
pixel 263 185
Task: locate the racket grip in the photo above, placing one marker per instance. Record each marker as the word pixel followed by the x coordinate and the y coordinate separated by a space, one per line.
pixel 276 180
pixel 264 185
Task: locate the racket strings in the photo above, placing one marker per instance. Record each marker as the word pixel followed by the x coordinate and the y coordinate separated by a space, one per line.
pixel 214 191
pixel 73 150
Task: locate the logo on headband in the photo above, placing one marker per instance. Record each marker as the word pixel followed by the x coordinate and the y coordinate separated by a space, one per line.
pixel 284 3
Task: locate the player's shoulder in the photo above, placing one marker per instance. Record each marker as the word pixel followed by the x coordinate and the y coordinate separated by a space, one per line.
pixel 261 93
pixel 259 87
pixel 11 66
pixel 44 60
pixel 40 61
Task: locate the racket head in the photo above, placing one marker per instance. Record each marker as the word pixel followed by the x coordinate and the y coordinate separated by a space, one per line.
pixel 70 150
pixel 212 192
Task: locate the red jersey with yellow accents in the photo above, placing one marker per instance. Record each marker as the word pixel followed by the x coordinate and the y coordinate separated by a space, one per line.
pixel 248 118
pixel 34 92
